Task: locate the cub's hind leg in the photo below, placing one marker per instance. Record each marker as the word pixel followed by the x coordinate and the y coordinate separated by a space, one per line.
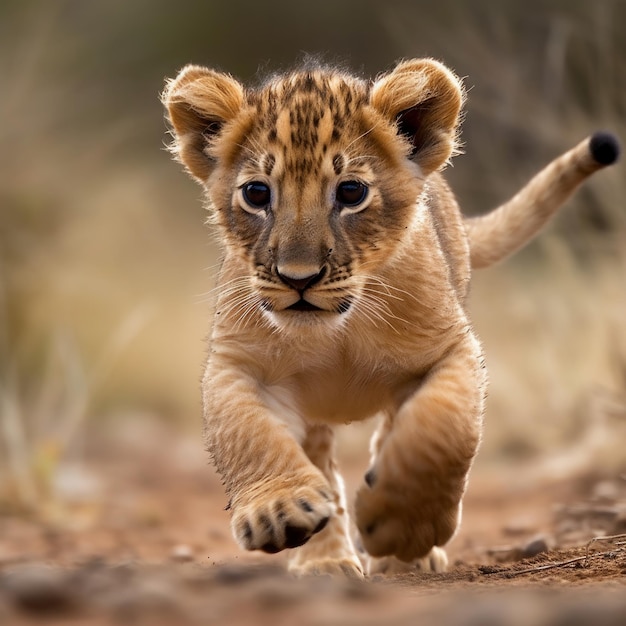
pixel 435 561
pixel 411 501
pixel 330 551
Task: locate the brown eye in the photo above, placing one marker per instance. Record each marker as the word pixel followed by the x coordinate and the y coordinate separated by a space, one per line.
pixel 351 193
pixel 257 195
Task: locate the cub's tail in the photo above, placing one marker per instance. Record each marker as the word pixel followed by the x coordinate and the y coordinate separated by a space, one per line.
pixel 506 229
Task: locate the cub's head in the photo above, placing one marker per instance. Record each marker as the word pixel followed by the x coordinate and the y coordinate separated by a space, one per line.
pixel 314 177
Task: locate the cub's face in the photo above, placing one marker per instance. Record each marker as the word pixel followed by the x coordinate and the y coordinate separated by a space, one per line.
pixel 314 177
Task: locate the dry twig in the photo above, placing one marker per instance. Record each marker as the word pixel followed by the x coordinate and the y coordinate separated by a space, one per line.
pixel 568 562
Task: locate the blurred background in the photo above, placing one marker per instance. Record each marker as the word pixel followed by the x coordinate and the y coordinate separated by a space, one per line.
pixel 105 261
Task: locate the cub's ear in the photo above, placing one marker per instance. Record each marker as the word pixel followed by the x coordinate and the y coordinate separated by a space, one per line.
pixel 424 99
pixel 199 101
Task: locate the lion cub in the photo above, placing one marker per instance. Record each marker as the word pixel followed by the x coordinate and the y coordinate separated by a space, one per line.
pixel 342 296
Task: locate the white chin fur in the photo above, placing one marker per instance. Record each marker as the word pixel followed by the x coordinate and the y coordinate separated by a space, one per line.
pixel 299 320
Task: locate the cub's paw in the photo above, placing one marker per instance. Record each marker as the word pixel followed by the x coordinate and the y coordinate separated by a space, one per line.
pixel 277 517
pixel 348 567
pixel 405 521
pixel 435 561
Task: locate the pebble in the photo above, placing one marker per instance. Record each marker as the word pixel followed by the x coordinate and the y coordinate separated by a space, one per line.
pixel 619 524
pixel 39 589
pixel 534 547
pixel 182 553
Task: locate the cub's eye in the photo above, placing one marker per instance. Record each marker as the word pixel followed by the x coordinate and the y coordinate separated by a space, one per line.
pixel 351 193
pixel 257 195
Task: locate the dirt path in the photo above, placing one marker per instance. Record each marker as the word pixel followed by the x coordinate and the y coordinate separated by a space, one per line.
pixel 149 543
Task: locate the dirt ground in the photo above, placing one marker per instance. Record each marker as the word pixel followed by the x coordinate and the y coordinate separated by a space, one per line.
pixel 140 535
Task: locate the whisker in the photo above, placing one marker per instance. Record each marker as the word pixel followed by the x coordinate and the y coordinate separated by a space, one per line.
pixel 366 314
pixel 236 301
pixel 384 308
pixel 371 313
pixel 388 288
pixel 240 281
pixel 364 134
pixel 378 311
pixel 245 316
pixel 361 157
pixel 247 308
pixel 255 155
pixel 372 289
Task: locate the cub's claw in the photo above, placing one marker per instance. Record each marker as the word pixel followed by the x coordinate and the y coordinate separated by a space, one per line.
pixel 404 521
pixel 276 519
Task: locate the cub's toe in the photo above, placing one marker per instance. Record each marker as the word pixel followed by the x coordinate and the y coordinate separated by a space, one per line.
pixel 285 521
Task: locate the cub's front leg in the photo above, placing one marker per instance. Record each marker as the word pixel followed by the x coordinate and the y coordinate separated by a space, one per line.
pixel 411 501
pixel 278 498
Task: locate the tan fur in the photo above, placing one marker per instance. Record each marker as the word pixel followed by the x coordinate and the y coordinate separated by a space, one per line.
pixel 383 284
pixel 500 233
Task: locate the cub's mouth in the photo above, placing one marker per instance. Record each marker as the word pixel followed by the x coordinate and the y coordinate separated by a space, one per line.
pixel 303 305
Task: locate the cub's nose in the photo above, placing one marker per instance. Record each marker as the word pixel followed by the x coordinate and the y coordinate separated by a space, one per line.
pixel 300 283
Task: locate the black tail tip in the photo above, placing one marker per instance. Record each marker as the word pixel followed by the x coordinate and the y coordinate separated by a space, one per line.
pixel 604 147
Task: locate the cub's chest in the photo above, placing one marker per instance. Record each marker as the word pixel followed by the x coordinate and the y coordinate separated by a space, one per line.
pixel 341 395
pixel 337 379
pixel 337 390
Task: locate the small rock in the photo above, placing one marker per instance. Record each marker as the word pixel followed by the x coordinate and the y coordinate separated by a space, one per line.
pixel 182 553
pixel 40 589
pixel 535 547
pixel 619 524
pixel 229 574
pixel 145 602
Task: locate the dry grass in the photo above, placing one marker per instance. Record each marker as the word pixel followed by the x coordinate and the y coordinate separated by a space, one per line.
pixel 554 338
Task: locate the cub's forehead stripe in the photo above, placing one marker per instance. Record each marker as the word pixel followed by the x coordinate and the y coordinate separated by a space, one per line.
pixel 339 163
pixel 268 162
